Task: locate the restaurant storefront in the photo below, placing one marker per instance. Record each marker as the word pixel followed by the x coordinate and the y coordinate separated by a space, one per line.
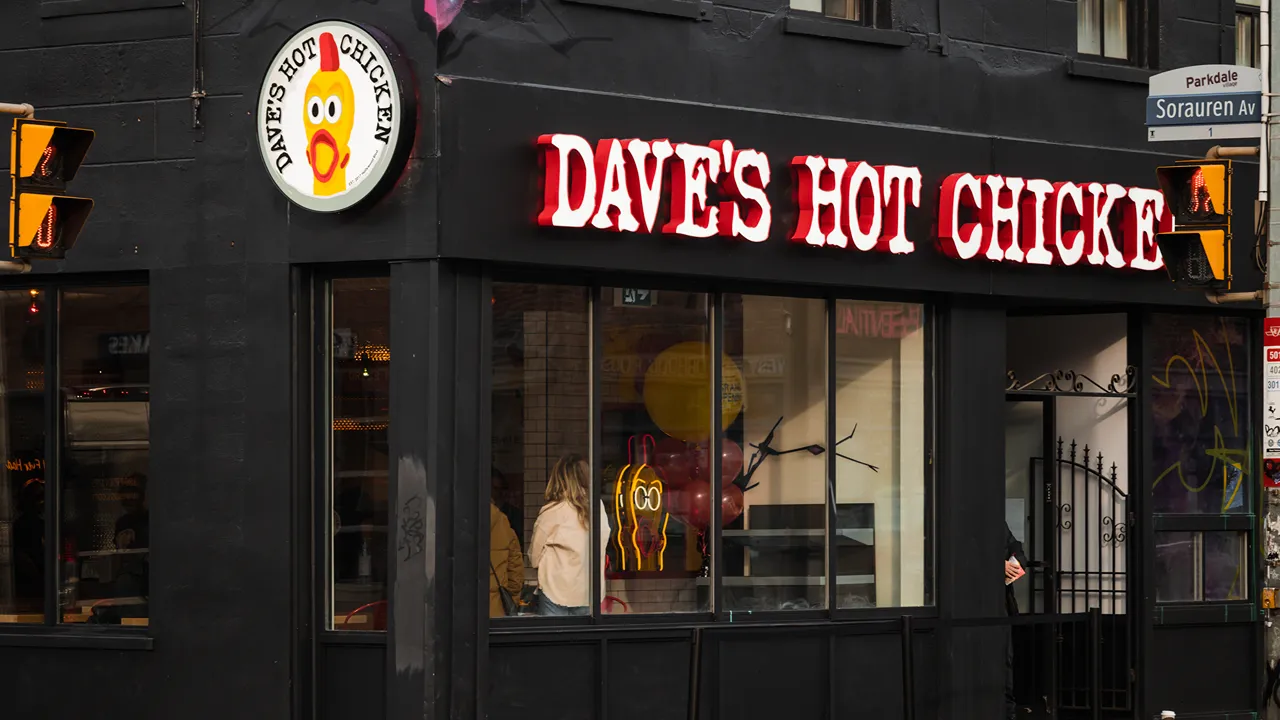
pixel 810 525
pixel 789 376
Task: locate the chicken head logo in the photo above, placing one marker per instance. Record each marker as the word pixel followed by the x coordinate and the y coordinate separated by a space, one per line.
pixel 329 116
pixel 640 512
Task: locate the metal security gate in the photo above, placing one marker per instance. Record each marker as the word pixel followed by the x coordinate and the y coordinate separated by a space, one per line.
pixel 1075 657
pixel 1084 578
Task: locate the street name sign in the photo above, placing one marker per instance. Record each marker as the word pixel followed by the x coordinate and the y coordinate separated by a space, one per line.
pixel 1205 102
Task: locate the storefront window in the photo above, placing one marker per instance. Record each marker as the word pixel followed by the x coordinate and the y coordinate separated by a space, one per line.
pixel 773 467
pixel 1201 566
pixel 22 432
pixel 1201 416
pixel 540 512
pixel 661 509
pixel 104 531
pixel 360 383
pixel 655 424
pixel 882 476
pixel 97 560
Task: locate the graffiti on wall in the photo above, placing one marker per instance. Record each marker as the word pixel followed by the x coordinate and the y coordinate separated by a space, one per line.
pixel 1201 430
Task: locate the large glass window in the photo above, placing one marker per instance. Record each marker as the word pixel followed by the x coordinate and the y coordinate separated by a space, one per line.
pixel 540 512
pixel 359 382
pixel 23 562
pixel 655 423
pixel 75 543
pixel 774 497
pixel 1201 413
pixel 881 538
pixel 687 483
pixel 104 529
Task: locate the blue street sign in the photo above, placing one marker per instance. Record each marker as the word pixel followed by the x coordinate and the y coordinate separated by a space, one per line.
pixel 1204 109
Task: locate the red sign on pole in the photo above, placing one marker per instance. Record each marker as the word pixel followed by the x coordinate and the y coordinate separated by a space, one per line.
pixel 1271 403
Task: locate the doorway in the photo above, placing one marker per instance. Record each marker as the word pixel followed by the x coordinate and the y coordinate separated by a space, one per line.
pixel 1067 499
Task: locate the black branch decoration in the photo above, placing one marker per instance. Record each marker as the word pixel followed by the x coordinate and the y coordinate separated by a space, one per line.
pixel 764 450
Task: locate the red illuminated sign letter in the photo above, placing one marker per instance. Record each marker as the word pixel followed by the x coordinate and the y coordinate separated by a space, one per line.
pixel 613 204
pixel 961 190
pixel 569 181
pixel 900 185
pixel 746 212
pixel 647 167
pixel 819 185
pixel 694 166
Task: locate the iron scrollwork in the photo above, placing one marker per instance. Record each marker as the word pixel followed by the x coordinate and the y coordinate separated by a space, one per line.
pixel 1064 522
pixel 1070 381
pixel 1117 534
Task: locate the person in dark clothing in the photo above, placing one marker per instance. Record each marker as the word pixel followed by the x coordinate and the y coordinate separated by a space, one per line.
pixel 1015 564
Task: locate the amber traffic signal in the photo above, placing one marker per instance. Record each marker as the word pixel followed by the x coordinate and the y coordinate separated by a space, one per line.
pixel 44 156
pixel 1198 252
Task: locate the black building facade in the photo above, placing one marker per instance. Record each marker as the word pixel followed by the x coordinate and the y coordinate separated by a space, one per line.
pixel 247 440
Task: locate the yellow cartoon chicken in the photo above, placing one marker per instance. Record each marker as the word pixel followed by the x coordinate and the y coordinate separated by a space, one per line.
pixel 329 115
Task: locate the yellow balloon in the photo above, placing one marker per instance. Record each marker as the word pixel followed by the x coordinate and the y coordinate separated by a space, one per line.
pixel 677 391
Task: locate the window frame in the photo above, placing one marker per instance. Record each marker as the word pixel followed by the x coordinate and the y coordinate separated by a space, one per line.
pixel 716 614
pixel 1253 11
pixel 1141 36
pixel 52 632
pixel 319 479
pixel 1219 611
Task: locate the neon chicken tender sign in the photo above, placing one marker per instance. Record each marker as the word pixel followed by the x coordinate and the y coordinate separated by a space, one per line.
pixel 721 190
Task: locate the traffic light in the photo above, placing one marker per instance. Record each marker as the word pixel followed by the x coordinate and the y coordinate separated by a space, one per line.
pixel 43 157
pixel 1198 252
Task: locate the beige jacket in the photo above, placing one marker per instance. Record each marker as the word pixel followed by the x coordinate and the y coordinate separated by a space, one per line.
pixel 560 550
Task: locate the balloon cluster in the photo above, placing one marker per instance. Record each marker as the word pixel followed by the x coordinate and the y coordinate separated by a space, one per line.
pixel 687 469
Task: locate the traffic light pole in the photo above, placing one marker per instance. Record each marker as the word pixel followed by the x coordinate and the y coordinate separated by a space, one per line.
pixel 20 109
pixel 25 110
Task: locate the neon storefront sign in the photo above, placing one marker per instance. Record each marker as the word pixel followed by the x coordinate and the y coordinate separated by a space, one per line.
pixel 718 189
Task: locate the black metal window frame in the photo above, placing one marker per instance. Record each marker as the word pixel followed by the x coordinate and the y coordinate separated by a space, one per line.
pixel 1141 34
pixel 315 492
pixel 52 632
pixel 1201 612
pixel 717 613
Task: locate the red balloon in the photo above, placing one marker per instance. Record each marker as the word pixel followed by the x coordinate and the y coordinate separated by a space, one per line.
pixel 692 504
pixel 675 460
pixel 730 461
pixel 731 503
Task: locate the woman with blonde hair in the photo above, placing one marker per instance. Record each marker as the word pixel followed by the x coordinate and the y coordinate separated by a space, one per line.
pixel 561 549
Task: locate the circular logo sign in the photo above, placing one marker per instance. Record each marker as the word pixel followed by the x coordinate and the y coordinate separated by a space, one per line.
pixel 330 116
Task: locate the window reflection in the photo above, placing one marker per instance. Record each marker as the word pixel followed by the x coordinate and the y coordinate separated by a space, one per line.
pixel 881 541
pixel 360 377
pixel 775 510
pixel 1200 414
pixel 541 481
pixel 104 529
pixel 656 402
pixel 22 443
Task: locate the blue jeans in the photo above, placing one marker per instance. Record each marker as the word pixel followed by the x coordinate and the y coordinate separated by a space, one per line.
pixel 550 609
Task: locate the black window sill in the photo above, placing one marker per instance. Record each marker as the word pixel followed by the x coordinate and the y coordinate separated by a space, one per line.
pixel 67 8
pixel 73 637
pixel 803 23
pixel 689 9
pixel 1108 71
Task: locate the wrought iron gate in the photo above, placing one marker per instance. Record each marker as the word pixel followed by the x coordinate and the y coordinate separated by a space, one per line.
pixel 1079 664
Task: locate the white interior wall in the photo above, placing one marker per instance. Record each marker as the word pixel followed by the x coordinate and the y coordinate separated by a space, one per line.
pixel 1097 346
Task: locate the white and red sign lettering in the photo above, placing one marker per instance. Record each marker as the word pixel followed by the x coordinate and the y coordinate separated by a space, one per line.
pixel 717 189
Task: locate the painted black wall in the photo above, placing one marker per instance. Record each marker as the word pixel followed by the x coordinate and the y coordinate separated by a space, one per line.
pixel 980 84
